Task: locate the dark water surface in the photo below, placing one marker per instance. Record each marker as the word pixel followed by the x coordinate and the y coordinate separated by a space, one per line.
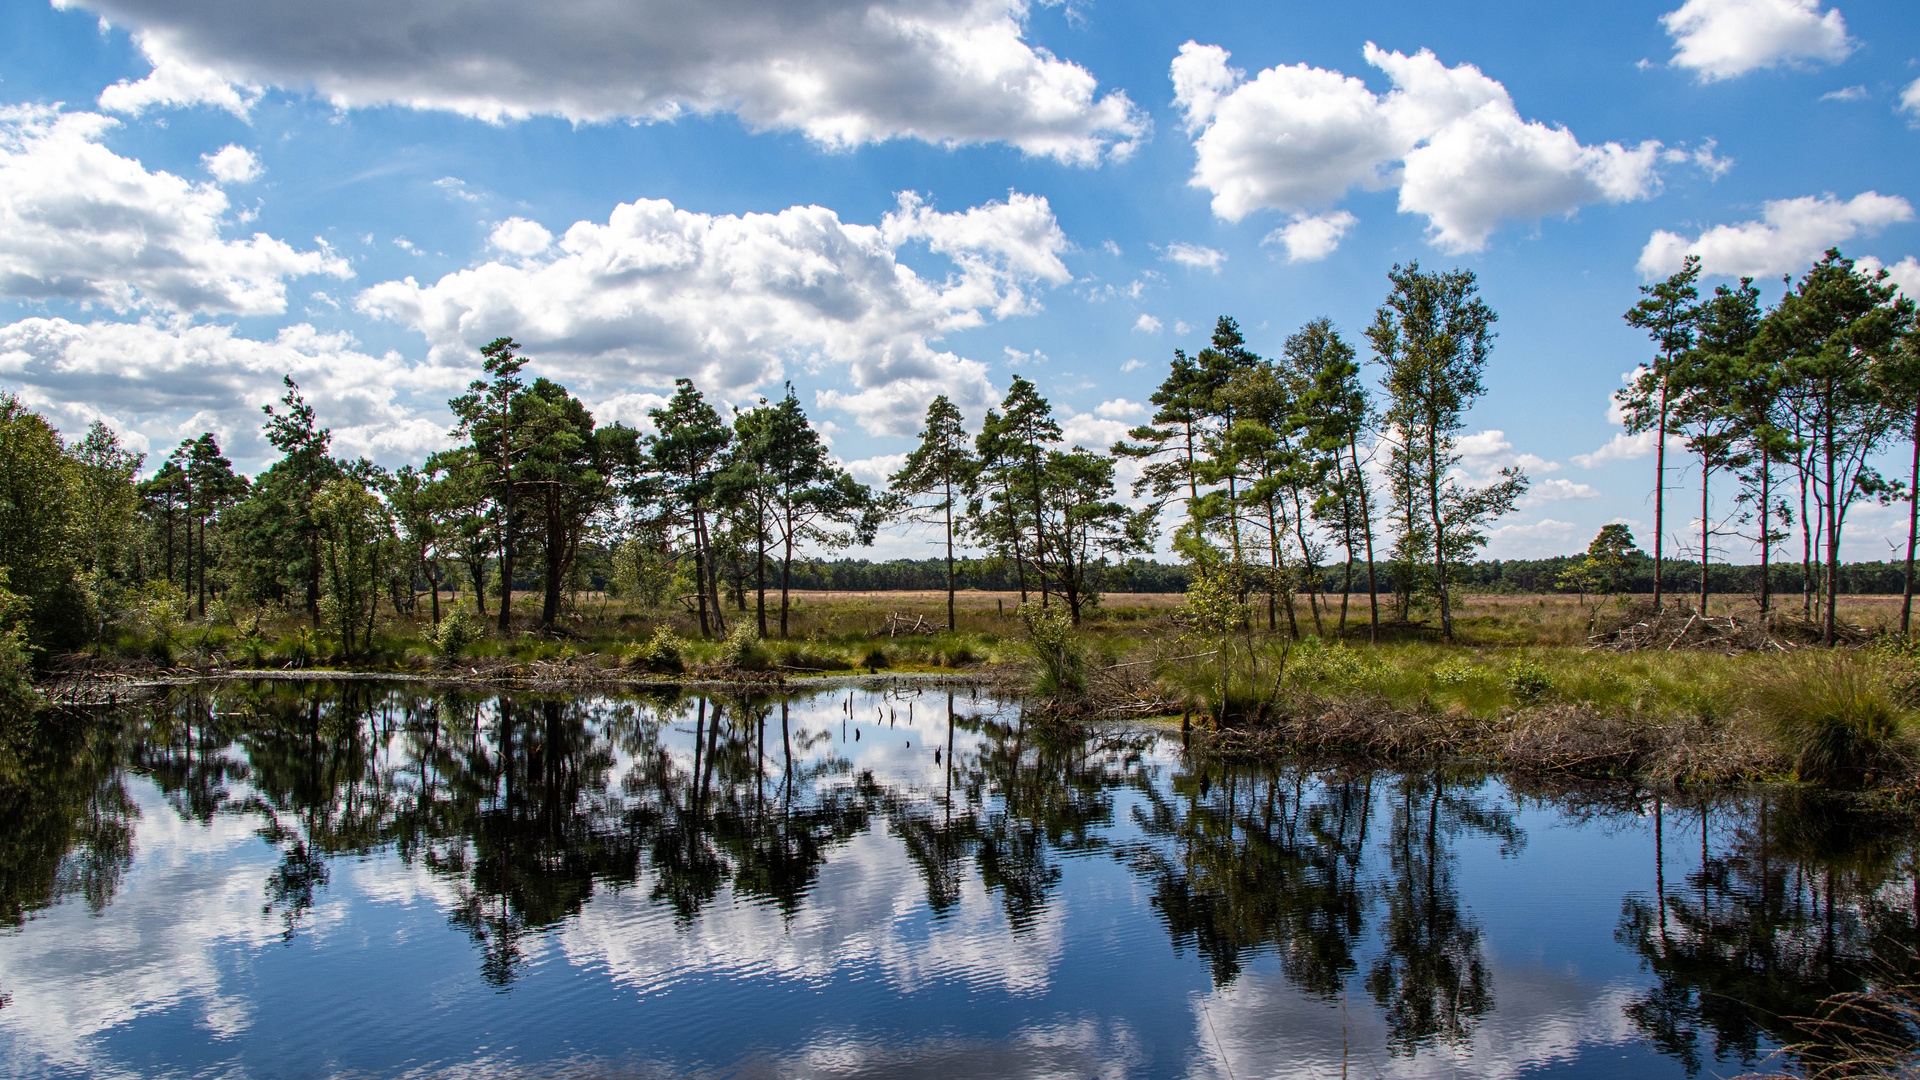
pixel 370 880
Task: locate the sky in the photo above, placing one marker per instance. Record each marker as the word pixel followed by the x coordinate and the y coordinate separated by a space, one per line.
pixel 884 201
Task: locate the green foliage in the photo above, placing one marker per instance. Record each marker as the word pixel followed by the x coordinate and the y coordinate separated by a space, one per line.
pixel 1057 646
pixel 1837 718
pixel 457 630
pixel 1458 671
pixel 665 651
pixel 159 609
pixel 742 648
pixel 16 655
pixel 1528 680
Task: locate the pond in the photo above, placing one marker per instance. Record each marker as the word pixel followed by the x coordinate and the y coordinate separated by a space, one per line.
pixel 381 880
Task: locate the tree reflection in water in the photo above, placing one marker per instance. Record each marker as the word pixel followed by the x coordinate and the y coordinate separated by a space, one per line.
pixel 528 807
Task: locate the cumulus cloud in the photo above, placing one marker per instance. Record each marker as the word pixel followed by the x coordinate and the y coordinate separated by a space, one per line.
pixel 1719 39
pixel 518 236
pixel 1195 257
pixel 79 222
pixel 1905 273
pixel 1543 538
pixel 1790 234
pixel 1147 324
pixel 1557 489
pixel 1622 447
pixel 658 292
pixel 1133 364
pixel 844 72
pixel 1846 93
pixel 1120 409
pixel 1910 101
pixel 232 165
pixel 1484 453
pixel 164 384
pixel 1297 139
pixel 1312 237
pixel 1093 432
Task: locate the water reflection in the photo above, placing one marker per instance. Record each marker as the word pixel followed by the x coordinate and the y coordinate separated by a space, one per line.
pixel 544 820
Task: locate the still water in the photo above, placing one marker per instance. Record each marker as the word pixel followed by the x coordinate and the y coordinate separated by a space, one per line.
pixel 371 880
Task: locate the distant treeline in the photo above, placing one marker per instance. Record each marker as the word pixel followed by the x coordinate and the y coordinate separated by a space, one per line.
pixel 1485 576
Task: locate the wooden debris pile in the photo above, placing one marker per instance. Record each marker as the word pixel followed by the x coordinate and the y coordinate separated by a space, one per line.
pixel 1679 627
pixel 910 625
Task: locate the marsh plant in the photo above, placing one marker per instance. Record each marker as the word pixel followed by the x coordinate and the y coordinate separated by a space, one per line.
pixel 1836 717
pixel 1056 647
pixel 458 630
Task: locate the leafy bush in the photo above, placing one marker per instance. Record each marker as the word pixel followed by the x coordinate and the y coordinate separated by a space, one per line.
pixel 663 652
pixel 742 648
pixel 159 609
pixel 1458 672
pixel 1527 680
pixel 456 631
pixel 16 656
pixel 1052 640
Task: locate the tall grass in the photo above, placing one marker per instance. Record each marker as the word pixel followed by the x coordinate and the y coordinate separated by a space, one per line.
pixel 1836 717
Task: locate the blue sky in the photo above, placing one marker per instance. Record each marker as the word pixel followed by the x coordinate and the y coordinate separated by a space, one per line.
pixel 888 200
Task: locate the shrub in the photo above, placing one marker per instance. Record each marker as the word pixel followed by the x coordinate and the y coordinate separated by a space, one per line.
pixel 742 648
pixel 16 656
pixel 158 610
pixel 1836 718
pixel 663 652
pixel 1527 680
pixel 1052 640
pixel 1457 672
pixel 456 631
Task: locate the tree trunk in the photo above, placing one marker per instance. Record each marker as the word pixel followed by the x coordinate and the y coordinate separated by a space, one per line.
pixel 952 623
pixel 1439 531
pixel 760 567
pixel 700 573
pixel 1833 539
pixel 1766 534
pixel 786 579
pixel 556 567
pixel 1913 527
pixel 1366 528
pixel 1660 490
pixel 1706 475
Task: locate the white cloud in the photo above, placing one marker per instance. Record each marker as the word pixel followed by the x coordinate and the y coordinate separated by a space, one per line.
pixel 1093 432
pixel 1484 453
pixel 1720 39
pixel 1790 234
pixel 1296 139
pixel 79 222
pixel 1910 101
pixel 1543 538
pixel 1195 257
pixel 1312 237
pixel 1557 489
pixel 518 236
pixel 875 470
pixel 1016 357
pixel 1622 447
pixel 1905 273
pixel 844 72
pixel 456 188
pixel 1179 326
pixel 173 85
pixel 658 292
pixel 1132 365
pixel 232 165
pixel 1147 324
pixel 165 384
pixel 1846 93
pixel 1120 409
